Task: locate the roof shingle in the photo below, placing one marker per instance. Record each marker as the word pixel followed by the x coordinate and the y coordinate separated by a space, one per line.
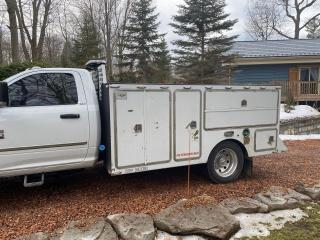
pixel 277 48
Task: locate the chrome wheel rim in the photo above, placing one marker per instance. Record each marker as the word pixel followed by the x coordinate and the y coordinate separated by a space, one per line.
pixel 226 162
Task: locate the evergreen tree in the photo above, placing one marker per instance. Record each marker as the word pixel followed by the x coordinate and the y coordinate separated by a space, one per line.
pixel 313 28
pixel 200 51
pixel 66 54
pixel 86 45
pixel 143 41
pixel 162 63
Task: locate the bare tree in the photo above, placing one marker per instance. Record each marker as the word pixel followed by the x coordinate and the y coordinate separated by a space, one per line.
pixel 34 24
pixel 5 36
pixel 110 18
pixel 122 38
pixel 12 12
pixel 313 29
pixel 53 46
pixel 294 12
pixel 266 19
pixel 262 16
pixel 111 27
pixel 41 29
pixel 2 33
pixel 67 22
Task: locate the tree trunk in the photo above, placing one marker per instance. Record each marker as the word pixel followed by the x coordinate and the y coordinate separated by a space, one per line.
pixel 13 30
pixel 202 53
pixel 33 43
pixel 1 50
pixel 297 32
pixel 297 25
pixel 121 38
pixel 47 7
pixel 108 12
pixel 23 39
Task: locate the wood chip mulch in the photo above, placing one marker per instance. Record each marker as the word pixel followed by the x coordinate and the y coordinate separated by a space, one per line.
pixel 92 193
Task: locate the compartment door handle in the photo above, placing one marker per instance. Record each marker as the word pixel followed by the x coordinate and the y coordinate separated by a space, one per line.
pixel 138 128
pixel 1 134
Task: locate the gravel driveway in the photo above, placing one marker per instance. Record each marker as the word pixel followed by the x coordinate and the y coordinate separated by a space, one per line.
pixel 93 193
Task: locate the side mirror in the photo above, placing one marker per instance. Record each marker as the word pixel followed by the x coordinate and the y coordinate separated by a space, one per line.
pixel 4 96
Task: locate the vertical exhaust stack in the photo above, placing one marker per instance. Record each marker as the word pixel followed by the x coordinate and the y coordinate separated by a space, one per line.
pixel 98 70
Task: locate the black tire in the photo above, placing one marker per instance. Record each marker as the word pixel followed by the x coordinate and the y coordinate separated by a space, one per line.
pixel 225 163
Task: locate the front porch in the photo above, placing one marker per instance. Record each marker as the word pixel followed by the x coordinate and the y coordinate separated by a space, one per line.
pixel 300 90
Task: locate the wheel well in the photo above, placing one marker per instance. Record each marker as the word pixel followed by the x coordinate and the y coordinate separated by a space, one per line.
pixel 244 150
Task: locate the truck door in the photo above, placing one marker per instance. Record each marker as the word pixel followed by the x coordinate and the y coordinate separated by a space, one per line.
pixel 46 123
pixel 187 115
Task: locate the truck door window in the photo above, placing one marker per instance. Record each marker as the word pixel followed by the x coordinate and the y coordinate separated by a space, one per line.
pixel 44 89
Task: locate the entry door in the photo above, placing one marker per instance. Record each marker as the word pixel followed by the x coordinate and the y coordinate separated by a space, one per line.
pixel 46 123
pixel 293 81
pixel 187 125
pixel 142 127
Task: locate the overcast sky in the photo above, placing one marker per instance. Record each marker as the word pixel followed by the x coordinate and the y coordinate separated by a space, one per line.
pixel 168 8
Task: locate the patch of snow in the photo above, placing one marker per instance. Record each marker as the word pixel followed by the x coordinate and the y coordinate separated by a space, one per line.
pixel 299 137
pixel 260 225
pixel 166 236
pixel 300 111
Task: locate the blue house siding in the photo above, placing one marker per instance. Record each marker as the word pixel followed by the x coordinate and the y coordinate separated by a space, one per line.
pixel 261 74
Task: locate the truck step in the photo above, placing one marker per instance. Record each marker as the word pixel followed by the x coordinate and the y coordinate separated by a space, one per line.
pixel 35 180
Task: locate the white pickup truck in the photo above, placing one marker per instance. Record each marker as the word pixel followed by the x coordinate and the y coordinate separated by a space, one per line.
pixel 62 119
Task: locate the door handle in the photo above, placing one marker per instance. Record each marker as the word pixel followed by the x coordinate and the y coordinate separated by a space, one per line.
pixel 1 134
pixel 70 116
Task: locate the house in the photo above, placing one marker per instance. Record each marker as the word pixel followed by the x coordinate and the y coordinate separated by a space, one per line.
pixel 292 64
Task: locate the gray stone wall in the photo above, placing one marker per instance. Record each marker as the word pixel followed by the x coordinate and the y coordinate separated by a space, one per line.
pixel 302 126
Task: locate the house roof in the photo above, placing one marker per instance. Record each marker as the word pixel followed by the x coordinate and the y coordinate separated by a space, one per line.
pixel 276 48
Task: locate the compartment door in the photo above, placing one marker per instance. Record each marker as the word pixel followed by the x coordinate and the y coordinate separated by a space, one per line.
pixel 157 134
pixel 240 108
pixel 187 127
pixel 265 140
pixel 129 128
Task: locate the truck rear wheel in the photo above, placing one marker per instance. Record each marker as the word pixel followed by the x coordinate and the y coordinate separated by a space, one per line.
pixel 225 163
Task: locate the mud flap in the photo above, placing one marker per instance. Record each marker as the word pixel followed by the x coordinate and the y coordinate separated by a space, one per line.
pixel 281 146
pixel 247 168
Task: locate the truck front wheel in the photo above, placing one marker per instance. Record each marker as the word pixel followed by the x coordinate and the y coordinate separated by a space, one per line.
pixel 225 162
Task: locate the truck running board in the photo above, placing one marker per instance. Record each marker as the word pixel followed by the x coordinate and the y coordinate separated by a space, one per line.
pixel 35 180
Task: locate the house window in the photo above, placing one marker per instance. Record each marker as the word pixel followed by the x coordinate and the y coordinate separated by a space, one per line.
pixel 309 77
pixel 309 74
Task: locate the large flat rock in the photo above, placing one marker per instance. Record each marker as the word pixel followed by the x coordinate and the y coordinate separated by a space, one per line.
pixel 312 191
pixel 98 229
pixel 199 216
pixel 133 226
pixel 244 205
pixel 279 198
pixel 35 236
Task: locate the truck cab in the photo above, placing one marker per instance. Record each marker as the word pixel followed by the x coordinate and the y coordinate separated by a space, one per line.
pixel 50 122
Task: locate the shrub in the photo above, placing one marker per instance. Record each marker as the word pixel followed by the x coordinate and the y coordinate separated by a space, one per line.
pixel 289 102
pixel 14 68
